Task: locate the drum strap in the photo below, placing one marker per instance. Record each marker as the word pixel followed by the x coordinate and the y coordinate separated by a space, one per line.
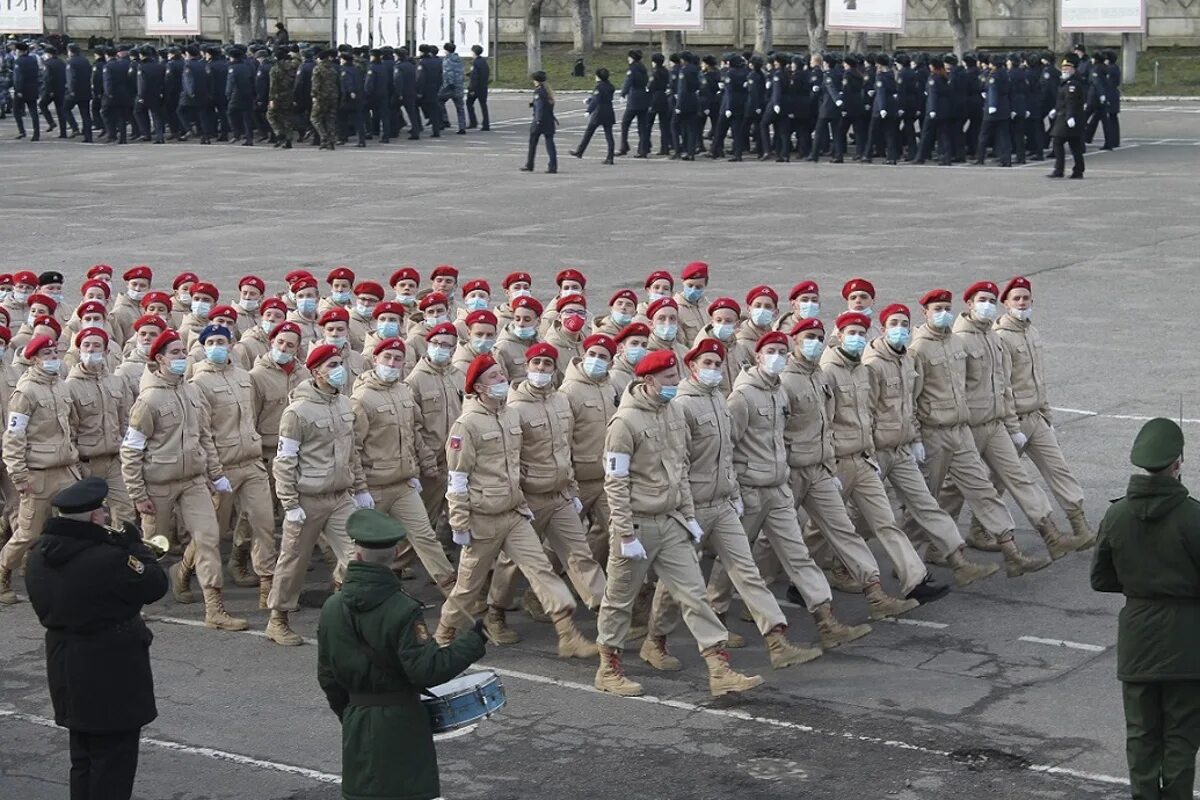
pixel 373 655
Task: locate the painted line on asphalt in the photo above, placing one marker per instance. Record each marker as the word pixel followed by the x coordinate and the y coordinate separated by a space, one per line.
pixel 1090 648
pixel 1128 417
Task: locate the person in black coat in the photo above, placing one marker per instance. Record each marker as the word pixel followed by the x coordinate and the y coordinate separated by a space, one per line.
pixel 997 114
pixel 659 86
pixel 829 114
pixel 25 91
pixel 54 90
pixel 600 115
pixel 350 108
pixel 543 124
pixel 405 79
pixel 935 126
pixel 687 106
pixel 477 90
pixel 88 584
pixel 732 113
pixel 1068 120
pixel 79 89
pixel 240 96
pixel 853 112
pixel 636 92
pixel 148 111
pixel 117 106
pixel 173 69
pixel 1018 85
pixel 377 88
pixel 885 113
pixel 429 85
pixel 218 76
pixel 302 95
pixel 194 100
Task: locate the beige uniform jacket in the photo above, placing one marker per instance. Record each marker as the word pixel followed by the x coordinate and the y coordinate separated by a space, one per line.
pixel 593 403
pixel 464 354
pixel 356 364
pixel 567 348
pixel 273 387
pixel 547 430
pixel 893 381
pixel 124 313
pixel 39 434
pixel 989 397
pixel 605 325
pixel 621 375
pixel 732 365
pixel 246 320
pixel 809 430
pixel 758 407
pixel 483 453
pixel 131 370
pixel 228 395
pixel 309 330
pixel 359 327
pixel 510 354
pixel 745 339
pixel 190 327
pixel 9 376
pixel 850 381
pixel 414 341
pixel 253 344
pixel 317 452
pixel 100 403
pixel 436 390
pixel 692 317
pixel 1027 375
pixel 388 430
pixel 941 388
pixel 677 347
pixel 710 443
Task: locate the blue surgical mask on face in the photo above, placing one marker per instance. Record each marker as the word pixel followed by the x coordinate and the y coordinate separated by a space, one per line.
pixel 216 353
pixel 634 354
pixel 525 333
pixel 620 318
pixel 439 354
pixel 666 332
pixel 266 325
pixel 986 311
pixel 595 367
pixel 201 308
pixel 341 298
pixel 898 337
pixel 498 391
pixel 178 366
pixel 942 319
pixel 723 330
pixel 692 293
pixel 387 330
pixel 761 316
pixel 280 357
pixel 854 344
pixel 406 299
pixel 667 393
pixel 808 309
pixel 306 305
pixel 482 344
pixel 477 303
pixel 52 366
pixel 868 312
pixel 652 296
pixel 387 374
pixel 773 364
pixel 709 377
pixel 337 377
pixel 92 359
pixel 337 341
pixel 362 310
pixel 812 349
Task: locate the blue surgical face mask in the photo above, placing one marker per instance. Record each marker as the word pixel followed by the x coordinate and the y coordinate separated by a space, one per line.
pixel 362 310
pixel 306 305
pixel 92 359
pixel 942 319
pixel 387 330
pixel 406 299
pixel 539 380
pixel 634 354
pixel 854 344
pixel 709 377
pixel 774 363
pixel 868 312
pixel 898 337
pixel 812 349
pixel 595 367
pixel 280 357
pixel 266 325
pixel 439 354
pixel 337 341
pixel 477 304
pixel 808 309
pixel 341 298
pixel 692 293
pixel 524 333
pixel 986 311
pixel 216 353
pixel 723 330
pixel 387 374
pixel 666 332
pixel 761 316
pixel 52 366
pixel 652 296
pixel 178 366
pixel 667 393
pixel 249 305
pixel 520 293
pixel 134 294
pixel 498 391
pixel 482 344
pixel 201 308
pixel 1023 314
pixel 439 319
pixel 620 318
pixel 20 297
pixel 337 377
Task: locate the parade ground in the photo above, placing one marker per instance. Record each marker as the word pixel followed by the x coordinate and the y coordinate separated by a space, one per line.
pixel 1004 690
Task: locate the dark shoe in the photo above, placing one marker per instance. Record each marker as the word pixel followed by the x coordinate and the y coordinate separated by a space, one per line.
pixel 552 171
pixel 1076 176
pixel 1055 175
pixel 527 168
pixel 688 158
pixel 278 144
pixel 576 153
pixel 622 151
pixel 413 136
pixel 641 155
pixel 485 128
pixel 928 590
pixel 609 161
pixel 462 131
pixel 734 158
pixel 361 144
pixel 250 143
pixel 287 145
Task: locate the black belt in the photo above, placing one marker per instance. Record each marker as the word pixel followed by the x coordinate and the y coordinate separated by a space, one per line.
pixel 385 699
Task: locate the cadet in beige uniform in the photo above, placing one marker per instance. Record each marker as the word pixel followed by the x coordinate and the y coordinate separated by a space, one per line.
pixel 335 332
pixel 653 524
pixel 804 301
pixel 319 482
pixel 405 282
pixel 274 376
pixel 724 314
pixel 387 322
pixel 39 451
pixel 488 513
pixel 367 295
pixel 126 308
pixel 570 282
pixel 182 301
pixel 170 467
pixel 437 388
pixel 663 316
pixel 517 336
pixel 257 339
pixel 691 302
pixel 762 307
pixel 340 281
pixel 565 332
pixel 433 311
pixel 477 335
pixel 251 289
pixel 515 285
pixel 306 298
pixel 622 308
pixel 477 296
pixel 204 299
pixel 631 349
pixel 145 330
pixel 9 375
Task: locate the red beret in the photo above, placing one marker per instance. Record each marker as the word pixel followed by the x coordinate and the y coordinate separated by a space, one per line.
pixel 810 324
pixel 541 349
pixel 334 315
pixel 340 274
pixel 4 312
pixel 5 334
pixel 655 361
pixel 894 308
pixel 273 302
pixel 161 341
pixel 658 275
pixel 532 303
pixel 394 343
pixel 37 343
pixel 286 327
pixel 200 287
pixel 659 304
pixel 475 285
pixel 253 280
pixel 771 337
pixel 442 329
pixel 483 317
pixel 570 275
pixel 937 296
pixel 432 299
pixel 370 288
pixel 92 283
pixel 803 287
pixel 319 355
pixel 405 274
pixel 623 294
pixel 847 318
pixel 184 277
pixel 86 332
pixel 223 311
pixel 978 286
pixel 296 275
pixel 91 307
pixel 44 300
pixel 762 291
pixel 150 319
pixel 26 277
pixel 5 280
pixel 601 340
pixel 480 365
pixel 302 283
pixel 696 269
pixel 157 297
pixel 569 299
pixel 444 271
pixel 1018 282
pixel 516 277
pixel 633 329
pixel 49 322
pixel 99 269
pixel 724 302
pixel 857 285
pixel 140 271
pixel 705 346
pixel 388 307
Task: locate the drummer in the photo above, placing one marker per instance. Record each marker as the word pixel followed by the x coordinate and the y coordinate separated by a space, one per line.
pixel 374 656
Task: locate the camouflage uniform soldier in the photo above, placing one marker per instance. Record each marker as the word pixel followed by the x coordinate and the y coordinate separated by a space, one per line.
pixel 282 106
pixel 325 99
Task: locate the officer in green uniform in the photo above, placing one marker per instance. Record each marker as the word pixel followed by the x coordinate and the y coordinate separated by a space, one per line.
pixel 374 655
pixel 1149 550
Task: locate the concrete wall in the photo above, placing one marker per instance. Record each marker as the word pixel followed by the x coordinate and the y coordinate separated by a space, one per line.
pixel 998 23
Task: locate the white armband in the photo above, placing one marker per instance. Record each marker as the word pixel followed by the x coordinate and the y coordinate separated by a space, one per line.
pixel 134 440
pixel 616 465
pixel 17 423
pixel 288 448
pixel 458 482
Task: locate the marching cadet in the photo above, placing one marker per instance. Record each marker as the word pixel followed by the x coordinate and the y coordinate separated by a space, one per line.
pixel 340 281
pixel 622 307
pixel 388 431
pixel 306 296
pixel 93 290
pixel 223 315
pixel 170 467
pixel 145 330
pixel 659 285
pixel 477 296
pixel 724 313
pixel 437 390
pixel 126 308
pixel 690 301
pixel 100 403
pixel 762 306
pixel 897 448
pixel 517 336
pixel 488 511
pixel 251 289
pixel 434 310
pixel 182 302
pixel 91 314
pixel 316 468
pixel 515 284
pixel 1031 402
pixel 387 322
pixel 39 451
pixel 949 446
pixel 565 333
pixel 257 339
pixel 24 286
pixel 227 392
pixel 335 327
pixel 804 301
pixel 1067 120
pixel 444 279
pixel 204 298
pixel 42 326
pixel 569 282
pixel 663 315
pixel 159 304
pixel 40 312
pixel 550 490
pixel 653 524
pixel 714 482
pixel 367 295
pixel 405 282
pixel 480 338
pixel 631 349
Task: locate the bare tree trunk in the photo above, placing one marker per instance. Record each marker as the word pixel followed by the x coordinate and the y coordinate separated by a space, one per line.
pixel 258 19
pixel 533 35
pixel 817 34
pixel 859 43
pixel 242 31
pixel 582 27
pixel 672 42
pixel 764 27
pixel 962 25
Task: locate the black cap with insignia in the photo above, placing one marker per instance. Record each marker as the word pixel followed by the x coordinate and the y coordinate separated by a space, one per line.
pixel 1158 444
pixel 82 496
pixel 370 529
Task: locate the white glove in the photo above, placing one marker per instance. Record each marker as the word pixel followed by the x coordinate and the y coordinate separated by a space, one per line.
pixel 933 115
pixel 296 515
pixel 577 504
pixel 728 113
pixel 222 485
pixel 1012 115
pixel 991 109
pixel 1020 440
pixel 1071 122
pixel 1053 113
pixel 900 113
pixel 364 500
pixel 918 451
pixel 739 507
pixel 461 538
pixel 1103 99
pixel 633 549
pixel 883 113
pixel 694 529
pixel 837 103
pixel 1026 115
pixel 777 110
pixel 415 483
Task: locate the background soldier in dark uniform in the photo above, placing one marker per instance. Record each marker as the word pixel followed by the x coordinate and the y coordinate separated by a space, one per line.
pixel 151 78
pixel 88 584
pixel 79 89
pixel 240 96
pixel 637 105
pixel 1067 123
pixel 477 90
pixel 374 655
pixel 54 91
pixel 281 109
pixel 1149 550
pixel 600 115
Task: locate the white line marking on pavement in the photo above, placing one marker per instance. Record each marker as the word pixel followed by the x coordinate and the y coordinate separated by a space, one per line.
pixel 1090 648
pixel 1129 417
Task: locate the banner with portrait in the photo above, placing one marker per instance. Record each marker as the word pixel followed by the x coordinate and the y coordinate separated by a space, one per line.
pixel 173 17
pixel 883 16
pixel 431 24
pixel 353 22
pixel 471 21
pixel 668 15
pixel 389 20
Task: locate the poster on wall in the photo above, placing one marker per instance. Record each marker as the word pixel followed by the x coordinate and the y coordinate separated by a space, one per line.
pixel 353 22
pixel 21 16
pixel 432 22
pixel 669 15
pixel 886 16
pixel 389 19
pixel 173 17
pixel 1113 16
pixel 471 22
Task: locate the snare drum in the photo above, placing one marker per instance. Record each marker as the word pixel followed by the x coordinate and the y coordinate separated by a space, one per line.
pixel 466 699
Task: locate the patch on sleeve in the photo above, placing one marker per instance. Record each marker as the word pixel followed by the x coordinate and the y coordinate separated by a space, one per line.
pixel 456 443
pixel 17 423
pixel 288 448
pixel 134 440
pixel 617 464
pixel 421 631
pixel 136 566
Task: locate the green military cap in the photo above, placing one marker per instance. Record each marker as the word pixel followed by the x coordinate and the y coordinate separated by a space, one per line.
pixel 1158 444
pixel 370 529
